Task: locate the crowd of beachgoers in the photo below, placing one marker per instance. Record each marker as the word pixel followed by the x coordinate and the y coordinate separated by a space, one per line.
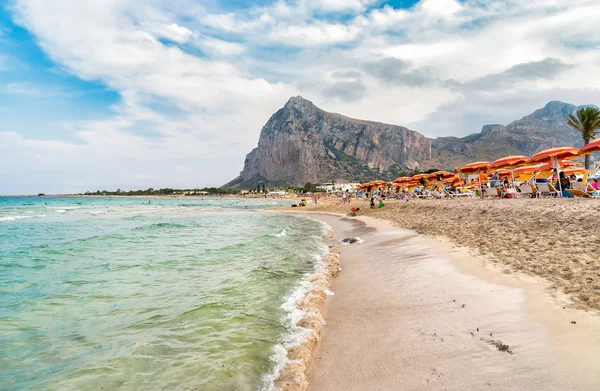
pixel 550 173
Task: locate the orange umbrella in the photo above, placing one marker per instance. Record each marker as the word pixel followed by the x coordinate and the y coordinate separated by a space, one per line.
pixel 476 167
pixel 377 184
pixel 402 179
pixel 502 172
pixel 509 161
pixel 594 146
pixel 553 155
pixel 575 171
pixel 472 168
pixel 444 174
pixel 419 176
pixel 549 155
pixel 456 181
pixel 562 164
pixel 528 169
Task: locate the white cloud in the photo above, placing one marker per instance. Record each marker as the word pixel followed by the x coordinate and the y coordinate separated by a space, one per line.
pixel 314 34
pixel 26 89
pixel 442 66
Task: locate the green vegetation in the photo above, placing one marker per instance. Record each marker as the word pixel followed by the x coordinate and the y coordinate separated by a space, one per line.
pixel 164 192
pixel 586 121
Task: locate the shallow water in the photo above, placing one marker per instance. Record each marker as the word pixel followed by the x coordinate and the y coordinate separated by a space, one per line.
pixel 113 293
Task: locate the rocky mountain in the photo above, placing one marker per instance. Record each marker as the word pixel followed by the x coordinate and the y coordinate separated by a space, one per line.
pixel 302 143
pixel 544 128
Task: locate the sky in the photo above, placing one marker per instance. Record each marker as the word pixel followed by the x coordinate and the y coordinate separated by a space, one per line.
pixel 173 93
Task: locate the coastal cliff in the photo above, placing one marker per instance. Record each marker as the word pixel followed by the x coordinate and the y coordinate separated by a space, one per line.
pixel 302 143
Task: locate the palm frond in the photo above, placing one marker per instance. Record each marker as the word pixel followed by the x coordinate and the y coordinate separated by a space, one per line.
pixel 586 121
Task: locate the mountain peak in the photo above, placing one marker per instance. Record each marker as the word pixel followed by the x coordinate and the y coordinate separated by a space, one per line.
pixel 298 101
pixel 556 104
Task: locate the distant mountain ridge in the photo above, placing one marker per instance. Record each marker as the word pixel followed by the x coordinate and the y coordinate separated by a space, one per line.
pixel 303 143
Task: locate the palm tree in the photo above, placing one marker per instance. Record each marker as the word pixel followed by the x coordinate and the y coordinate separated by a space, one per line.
pixel 586 121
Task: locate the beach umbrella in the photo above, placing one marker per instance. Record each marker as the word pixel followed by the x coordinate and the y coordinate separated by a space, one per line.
pixel 575 171
pixel 562 164
pixel 456 180
pixel 594 146
pixel 476 167
pixel 553 156
pixel 509 162
pixel 437 174
pixel 402 179
pixel 417 178
pixel 377 184
pixel 502 171
pixel 528 169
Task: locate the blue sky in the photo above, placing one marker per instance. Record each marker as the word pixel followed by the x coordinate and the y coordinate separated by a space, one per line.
pixel 174 93
pixel 37 94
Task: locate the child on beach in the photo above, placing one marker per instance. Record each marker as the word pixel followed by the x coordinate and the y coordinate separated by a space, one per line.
pixel 372 202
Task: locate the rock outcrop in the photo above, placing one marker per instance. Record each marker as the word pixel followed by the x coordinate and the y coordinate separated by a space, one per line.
pixel 544 128
pixel 302 143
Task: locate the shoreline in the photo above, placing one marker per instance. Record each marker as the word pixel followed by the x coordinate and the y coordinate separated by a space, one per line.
pixel 373 341
pixel 305 308
pixel 555 239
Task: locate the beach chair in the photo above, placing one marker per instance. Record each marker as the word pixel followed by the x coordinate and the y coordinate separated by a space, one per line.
pixel 585 187
pixel 527 191
pixel 553 190
pixel 507 193
pixel 546 190
pixel 579 193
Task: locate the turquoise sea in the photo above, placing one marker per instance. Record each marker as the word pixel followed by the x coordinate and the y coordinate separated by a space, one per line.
pixel 119 294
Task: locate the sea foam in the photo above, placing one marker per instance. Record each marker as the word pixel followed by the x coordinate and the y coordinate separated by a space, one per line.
pixel 18 217
pixel 304 322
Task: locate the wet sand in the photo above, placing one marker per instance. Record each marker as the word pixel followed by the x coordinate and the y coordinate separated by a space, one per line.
pixel 419 314
pixel 557 239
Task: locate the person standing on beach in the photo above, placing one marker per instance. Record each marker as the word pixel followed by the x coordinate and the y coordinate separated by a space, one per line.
pixel 372 202
pixel 495 180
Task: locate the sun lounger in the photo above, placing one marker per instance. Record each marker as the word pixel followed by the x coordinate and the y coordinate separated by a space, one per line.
pixel 546 190
pixel 527 190
pixel 507 193
pixel 465 194
pixel 579 193
pixel 586 187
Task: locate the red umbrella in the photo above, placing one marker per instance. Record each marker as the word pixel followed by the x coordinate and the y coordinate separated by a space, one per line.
pixel 594 146
pixel 553 155
pixel 476 167
pixel 456 181
pixel 472 168
pixel 575 171
pixel 437 174
pixel 509 162
pixel 549 155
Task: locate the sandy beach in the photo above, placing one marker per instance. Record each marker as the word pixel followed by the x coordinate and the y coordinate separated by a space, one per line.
pixel 556 239
pixel 414 313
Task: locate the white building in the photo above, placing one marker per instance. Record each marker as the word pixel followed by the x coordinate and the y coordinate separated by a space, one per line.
pixel 333 187
pixel 277 193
